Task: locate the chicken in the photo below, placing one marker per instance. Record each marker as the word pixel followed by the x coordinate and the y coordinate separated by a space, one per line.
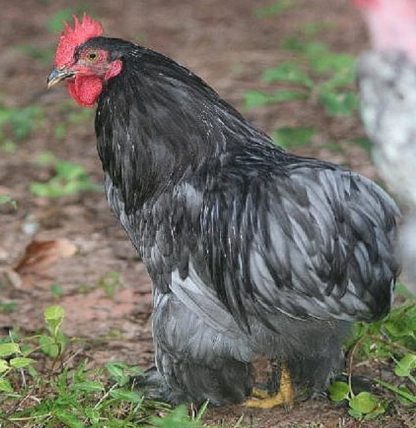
pixel 252 251
pixel 387 80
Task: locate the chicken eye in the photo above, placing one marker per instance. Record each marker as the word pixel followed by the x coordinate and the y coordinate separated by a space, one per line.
pixel 92 56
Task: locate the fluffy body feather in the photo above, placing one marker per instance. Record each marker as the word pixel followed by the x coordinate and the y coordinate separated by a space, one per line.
pixel 387 81
pixel 251 250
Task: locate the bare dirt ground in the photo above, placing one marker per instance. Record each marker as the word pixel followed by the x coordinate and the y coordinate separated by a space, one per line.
pixel 228 46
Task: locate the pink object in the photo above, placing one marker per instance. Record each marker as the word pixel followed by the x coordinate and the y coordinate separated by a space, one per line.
pixel 72 37
pixel 392 24
pixel 85 90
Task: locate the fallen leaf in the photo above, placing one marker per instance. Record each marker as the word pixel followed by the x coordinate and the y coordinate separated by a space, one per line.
pixel 39 255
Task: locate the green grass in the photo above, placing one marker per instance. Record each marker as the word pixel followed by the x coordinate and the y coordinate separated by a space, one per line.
pixel 316 78
pixel 17 124
pixel 39 387
pixel 69 179
pixel 276 8
pixel 71 393
pixel 391 342
pixel 318 74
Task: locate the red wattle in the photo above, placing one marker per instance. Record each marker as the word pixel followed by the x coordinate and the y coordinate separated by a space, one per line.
pixel 85 90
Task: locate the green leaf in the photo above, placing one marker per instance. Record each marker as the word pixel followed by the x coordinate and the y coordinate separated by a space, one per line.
pixel 363 142
pixel 21 362
pixel 339 391
pixel 258 98
pixel 255 99
pixel 49 346
pixel 284 95
pixel 45 159
pixel 69 170
pixel 293 43
pixel 88 386
pixel 56 290
pixel 92 414
pixel 276 8
pixel 406 365
pixel 69 419
pixel 291 138
pixel 7 307
pixel 5 385
pixel 339 103
pixel 402 290
pixel 178 418
pixel 7 349
pixel 55 23
pixel 54 316
pixel 379 410
pixel 287 72
pixel 355 414
pixel 117 372
pixel 4 366
pixel 126 395
pixel 402 392
pixel 5 199
pixel 364 402
pixel 342 64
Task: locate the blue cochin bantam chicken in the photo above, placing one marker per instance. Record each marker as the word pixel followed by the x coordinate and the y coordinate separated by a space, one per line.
pixel 252 251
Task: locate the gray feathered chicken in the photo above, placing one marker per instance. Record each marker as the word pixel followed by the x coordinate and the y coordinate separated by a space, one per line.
pixel 387 80
pixel 251 250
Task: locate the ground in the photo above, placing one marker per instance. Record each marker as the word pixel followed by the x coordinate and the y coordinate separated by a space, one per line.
pixel 104 287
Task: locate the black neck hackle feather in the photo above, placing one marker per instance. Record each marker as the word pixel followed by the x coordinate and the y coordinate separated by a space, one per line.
pixel 159 126
pixel 165 122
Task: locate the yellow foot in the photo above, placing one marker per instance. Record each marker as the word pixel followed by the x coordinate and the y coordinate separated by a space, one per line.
pixel 284 397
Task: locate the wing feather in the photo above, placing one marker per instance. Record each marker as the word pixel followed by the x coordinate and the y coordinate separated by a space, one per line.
pixel 315 242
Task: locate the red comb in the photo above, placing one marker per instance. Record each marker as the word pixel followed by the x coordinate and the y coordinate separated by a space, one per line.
pixel 366 4
pixel 72 37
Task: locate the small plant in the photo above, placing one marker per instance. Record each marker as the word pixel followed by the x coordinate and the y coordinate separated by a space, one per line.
pixel 7 307
pixel 56 290
pixel 7 200
pixel 17 123
pixel 392 340
pixel 110 282
pixel 74 395
pixel 274 9
pixel 69 179
pixel 292 138
pixel 318 74
pixel 364 405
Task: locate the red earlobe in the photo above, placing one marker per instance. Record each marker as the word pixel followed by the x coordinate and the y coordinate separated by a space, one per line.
pixel 114 69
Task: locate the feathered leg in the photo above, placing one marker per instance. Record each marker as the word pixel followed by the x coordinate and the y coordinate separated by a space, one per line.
pixel 195 362
pixel 285 396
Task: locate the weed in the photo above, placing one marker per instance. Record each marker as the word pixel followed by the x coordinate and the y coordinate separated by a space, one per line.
pixel 319 74
pixel 291 138
pixel 7 200
pixel 56 290
pixel 394 341
pixel 274 9
pixel 69 179
pixel 76 396
pixel 110 282
pixel 7 307
pixel 17 123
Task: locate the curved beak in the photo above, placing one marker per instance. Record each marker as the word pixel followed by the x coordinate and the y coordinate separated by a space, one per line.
pixel 57 75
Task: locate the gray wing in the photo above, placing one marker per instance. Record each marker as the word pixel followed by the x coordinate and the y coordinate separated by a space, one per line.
pixel 314 242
